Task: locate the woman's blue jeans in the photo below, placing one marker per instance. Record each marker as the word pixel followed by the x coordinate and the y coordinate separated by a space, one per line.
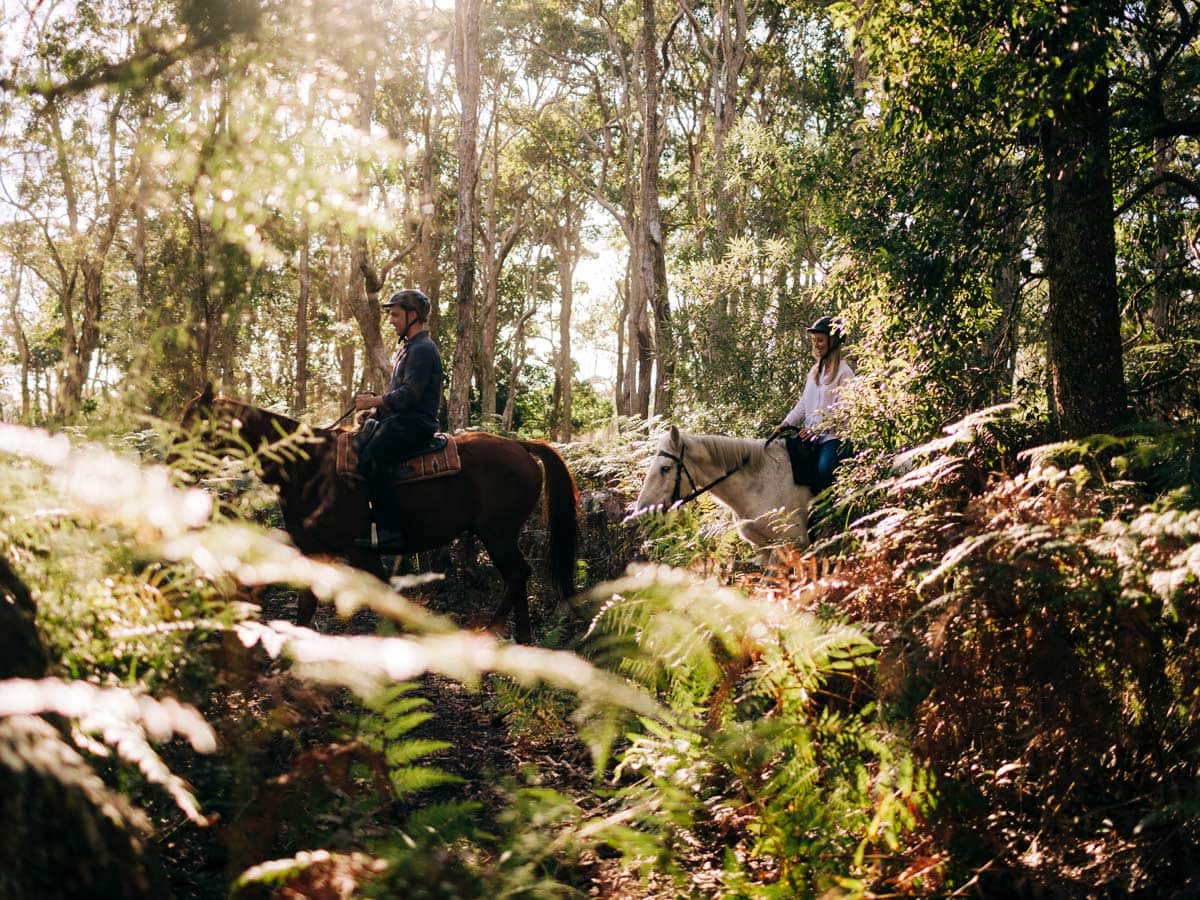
pixel 829 454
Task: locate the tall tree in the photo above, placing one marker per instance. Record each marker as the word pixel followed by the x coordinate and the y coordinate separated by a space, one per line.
pixel 467 76
pixel 565 235
pixel 650 242
pixel 498 234
pixel 988 86
pixel 1087 377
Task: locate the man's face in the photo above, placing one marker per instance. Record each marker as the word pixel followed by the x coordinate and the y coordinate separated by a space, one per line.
pixel 398 316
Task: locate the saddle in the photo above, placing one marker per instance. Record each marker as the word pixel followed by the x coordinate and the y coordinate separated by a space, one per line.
pixel 437 459
pixel 803 456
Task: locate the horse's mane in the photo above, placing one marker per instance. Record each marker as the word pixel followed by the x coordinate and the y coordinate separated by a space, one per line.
pixel 249 413
pixel 729 452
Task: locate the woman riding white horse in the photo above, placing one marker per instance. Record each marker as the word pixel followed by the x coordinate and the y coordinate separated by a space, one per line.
pixel 750 478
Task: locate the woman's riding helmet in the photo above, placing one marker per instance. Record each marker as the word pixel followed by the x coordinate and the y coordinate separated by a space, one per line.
pixel 834 327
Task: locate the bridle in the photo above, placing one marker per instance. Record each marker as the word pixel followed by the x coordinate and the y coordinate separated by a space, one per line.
pixel 681 470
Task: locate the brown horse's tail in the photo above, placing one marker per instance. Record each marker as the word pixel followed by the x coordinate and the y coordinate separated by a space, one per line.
pixel 563 504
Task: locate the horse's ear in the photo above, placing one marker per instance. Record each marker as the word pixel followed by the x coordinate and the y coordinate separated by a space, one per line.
pixel 674 436
pixel 206 395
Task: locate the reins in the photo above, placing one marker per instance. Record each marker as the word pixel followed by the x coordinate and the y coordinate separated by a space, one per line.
pixel 340 420
pixel 676 499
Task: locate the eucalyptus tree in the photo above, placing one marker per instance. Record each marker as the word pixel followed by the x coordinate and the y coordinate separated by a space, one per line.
pixel 763 106
pixel 15 240
pixel 75 171
pixel 608 135
pixel 503 221
pixel 467 80
pixel 1040 91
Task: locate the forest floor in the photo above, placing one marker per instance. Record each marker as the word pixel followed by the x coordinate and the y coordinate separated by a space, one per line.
pixel 491 750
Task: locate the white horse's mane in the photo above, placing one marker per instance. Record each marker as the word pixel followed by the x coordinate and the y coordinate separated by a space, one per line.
pixel 728 452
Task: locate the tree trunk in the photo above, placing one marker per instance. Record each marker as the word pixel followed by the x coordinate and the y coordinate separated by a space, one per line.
pixel 566 244
pixel 365 307
pixel 731 58
pixel 652 266
pixel 301 377
pixel 18 333
pixel 620 391
pixel 1168 235
pixel 345 347
pixel 430 239
pixel 514 372
pixel 139 253
pixel 467 77
pixel 1087 381
pixel 497 247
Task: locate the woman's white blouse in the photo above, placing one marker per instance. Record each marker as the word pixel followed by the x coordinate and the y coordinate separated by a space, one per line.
pixel 817 399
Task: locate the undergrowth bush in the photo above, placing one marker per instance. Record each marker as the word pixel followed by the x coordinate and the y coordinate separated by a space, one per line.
pixel 1025 627
pixel 1038 615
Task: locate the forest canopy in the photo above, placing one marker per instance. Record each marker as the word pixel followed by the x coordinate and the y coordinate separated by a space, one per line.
pixel 193 192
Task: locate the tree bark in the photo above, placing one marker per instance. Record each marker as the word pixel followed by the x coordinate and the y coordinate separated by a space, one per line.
pixel 620 392
pixel 497 246
pixel 652 266
pixel 364 306
pixel 1168 235
pixel 566 246
pixel 430 236
pixel 1087 380
pixel 467 78
pixel 301 376
pixel 345 347
pixel 514 371
pixel 80 339
pixel 18 333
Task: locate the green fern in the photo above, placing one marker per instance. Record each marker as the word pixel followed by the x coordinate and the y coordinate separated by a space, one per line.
pixel 751 729
pixel 385 726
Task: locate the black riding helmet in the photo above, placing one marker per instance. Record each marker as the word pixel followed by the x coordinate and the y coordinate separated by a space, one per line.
pixel 834 327
pixel 410 298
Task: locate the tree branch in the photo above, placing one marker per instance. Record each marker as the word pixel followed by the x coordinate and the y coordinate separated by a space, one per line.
pixel 1190 185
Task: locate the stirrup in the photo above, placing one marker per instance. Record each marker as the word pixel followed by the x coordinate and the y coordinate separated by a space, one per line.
pixel 382 542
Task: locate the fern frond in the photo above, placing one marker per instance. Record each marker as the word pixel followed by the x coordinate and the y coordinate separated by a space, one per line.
pixel 123 720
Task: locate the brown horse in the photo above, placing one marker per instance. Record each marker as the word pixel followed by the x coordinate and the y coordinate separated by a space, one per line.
pixel 492 497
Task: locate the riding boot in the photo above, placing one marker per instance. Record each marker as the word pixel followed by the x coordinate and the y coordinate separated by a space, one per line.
pixel 386 536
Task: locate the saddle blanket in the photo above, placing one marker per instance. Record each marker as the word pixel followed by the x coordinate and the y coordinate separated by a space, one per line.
pixel 433 464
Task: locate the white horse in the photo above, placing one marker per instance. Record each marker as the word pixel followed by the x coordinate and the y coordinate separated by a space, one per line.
pixel 747 477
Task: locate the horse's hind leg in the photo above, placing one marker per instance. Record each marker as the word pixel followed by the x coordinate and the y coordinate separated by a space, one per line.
pixel 507 557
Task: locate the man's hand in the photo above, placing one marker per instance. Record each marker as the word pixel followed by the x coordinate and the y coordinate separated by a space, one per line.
pixel 367 401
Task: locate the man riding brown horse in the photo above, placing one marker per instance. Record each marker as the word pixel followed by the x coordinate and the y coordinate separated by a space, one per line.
pixel 403 420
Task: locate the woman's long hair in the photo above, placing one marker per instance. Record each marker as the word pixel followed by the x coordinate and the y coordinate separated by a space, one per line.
pixel 826 368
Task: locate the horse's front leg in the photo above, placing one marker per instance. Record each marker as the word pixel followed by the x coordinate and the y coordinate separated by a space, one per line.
pixel 757 533
pixel 364 560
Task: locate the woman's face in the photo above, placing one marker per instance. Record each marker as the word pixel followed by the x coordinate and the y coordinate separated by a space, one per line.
pixel 820 344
